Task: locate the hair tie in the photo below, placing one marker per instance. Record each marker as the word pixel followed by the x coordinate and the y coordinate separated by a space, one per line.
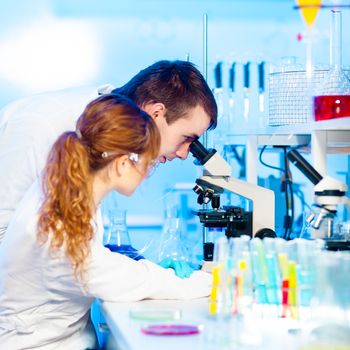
pixel 77 131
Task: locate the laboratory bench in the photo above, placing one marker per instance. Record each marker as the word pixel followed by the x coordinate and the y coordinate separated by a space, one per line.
pixel 230 333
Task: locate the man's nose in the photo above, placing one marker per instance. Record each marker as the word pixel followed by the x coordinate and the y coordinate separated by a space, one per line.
pixel 182 151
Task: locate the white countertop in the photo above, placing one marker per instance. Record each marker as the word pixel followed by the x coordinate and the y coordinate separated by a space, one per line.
pixel 263 333
pixel 128 334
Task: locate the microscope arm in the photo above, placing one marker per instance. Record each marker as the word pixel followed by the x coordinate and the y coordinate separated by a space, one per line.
pixel 263 199
pixel 218 172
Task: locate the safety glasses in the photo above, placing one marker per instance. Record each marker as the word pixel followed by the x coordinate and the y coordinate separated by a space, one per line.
pixel 135 159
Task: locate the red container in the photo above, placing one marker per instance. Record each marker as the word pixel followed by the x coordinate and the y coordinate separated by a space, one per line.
pixel 331 106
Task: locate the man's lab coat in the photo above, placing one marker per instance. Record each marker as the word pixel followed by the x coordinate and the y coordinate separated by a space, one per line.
pixel 28 129
pixel 42 305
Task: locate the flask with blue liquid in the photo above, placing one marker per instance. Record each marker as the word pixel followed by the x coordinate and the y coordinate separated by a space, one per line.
pixel 117 237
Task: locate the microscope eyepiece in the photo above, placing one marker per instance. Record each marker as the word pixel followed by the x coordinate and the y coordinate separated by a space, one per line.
pixel 200 152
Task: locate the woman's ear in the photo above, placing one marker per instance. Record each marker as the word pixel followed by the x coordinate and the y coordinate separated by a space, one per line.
pixel 121 165
pixel 155 110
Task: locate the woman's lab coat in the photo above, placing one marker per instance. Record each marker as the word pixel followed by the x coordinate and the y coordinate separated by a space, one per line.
pixel 28 129
pixel 43 306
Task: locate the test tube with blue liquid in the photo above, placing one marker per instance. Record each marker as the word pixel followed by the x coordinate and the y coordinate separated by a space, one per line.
pixel 273 271
pixel 260 273
pixel 261 94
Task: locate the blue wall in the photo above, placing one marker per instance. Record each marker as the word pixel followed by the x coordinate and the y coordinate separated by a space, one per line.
pixel 52 44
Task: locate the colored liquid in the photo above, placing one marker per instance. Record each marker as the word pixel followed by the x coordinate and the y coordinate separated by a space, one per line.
pixel 309 10
pixel 170 329
pixel 331 106
pixel 124 249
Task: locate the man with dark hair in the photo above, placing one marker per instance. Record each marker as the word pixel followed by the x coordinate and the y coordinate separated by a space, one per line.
pixel 173 93
pixel 178 94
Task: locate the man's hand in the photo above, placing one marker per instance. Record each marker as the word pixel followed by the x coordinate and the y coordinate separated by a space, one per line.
pixel 182 269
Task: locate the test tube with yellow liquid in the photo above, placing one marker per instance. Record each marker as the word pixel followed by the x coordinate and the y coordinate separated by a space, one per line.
pixel 215 290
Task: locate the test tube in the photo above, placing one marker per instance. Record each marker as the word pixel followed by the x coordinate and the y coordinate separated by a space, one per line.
pixel 232 97
pixel 219 96
pixel 273 271
pixel 261 86
pixel 246 91
pixel 242 275
pixel 282 255
pixel 306 259
pixel 218 295
pixel 259 270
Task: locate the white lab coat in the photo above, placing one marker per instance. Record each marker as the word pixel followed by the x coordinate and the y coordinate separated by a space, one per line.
pixel 28 129
pixel 43 306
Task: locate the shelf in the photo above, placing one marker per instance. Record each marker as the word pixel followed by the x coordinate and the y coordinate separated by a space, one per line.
pixel 337 133
pixel 321 136
pixel 339 124
pixel 272 139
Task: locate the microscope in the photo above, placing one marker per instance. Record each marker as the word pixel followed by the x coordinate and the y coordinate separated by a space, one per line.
pixel 329 193
pixel 260 222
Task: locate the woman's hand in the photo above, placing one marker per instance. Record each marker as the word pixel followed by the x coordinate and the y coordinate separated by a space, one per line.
pixel 182 269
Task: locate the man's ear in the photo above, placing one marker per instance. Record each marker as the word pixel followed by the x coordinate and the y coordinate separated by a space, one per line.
pixel 121 165
pixel 155 110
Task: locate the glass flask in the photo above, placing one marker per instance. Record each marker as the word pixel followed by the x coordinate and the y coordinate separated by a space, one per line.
pixel 333 96
pixel 117 237
pixel 171 245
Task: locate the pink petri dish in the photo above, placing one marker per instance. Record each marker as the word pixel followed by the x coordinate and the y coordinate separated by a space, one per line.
pixel 170 329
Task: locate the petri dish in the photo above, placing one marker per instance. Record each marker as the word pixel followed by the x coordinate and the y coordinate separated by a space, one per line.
pixel 170 329
pixel 155 315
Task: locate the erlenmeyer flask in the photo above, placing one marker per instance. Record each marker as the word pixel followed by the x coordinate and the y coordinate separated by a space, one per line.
pixel 117 237
pixel 333 97
pixel 171 245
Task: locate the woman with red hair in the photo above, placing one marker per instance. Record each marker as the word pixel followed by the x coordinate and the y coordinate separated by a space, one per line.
pixel 53 263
